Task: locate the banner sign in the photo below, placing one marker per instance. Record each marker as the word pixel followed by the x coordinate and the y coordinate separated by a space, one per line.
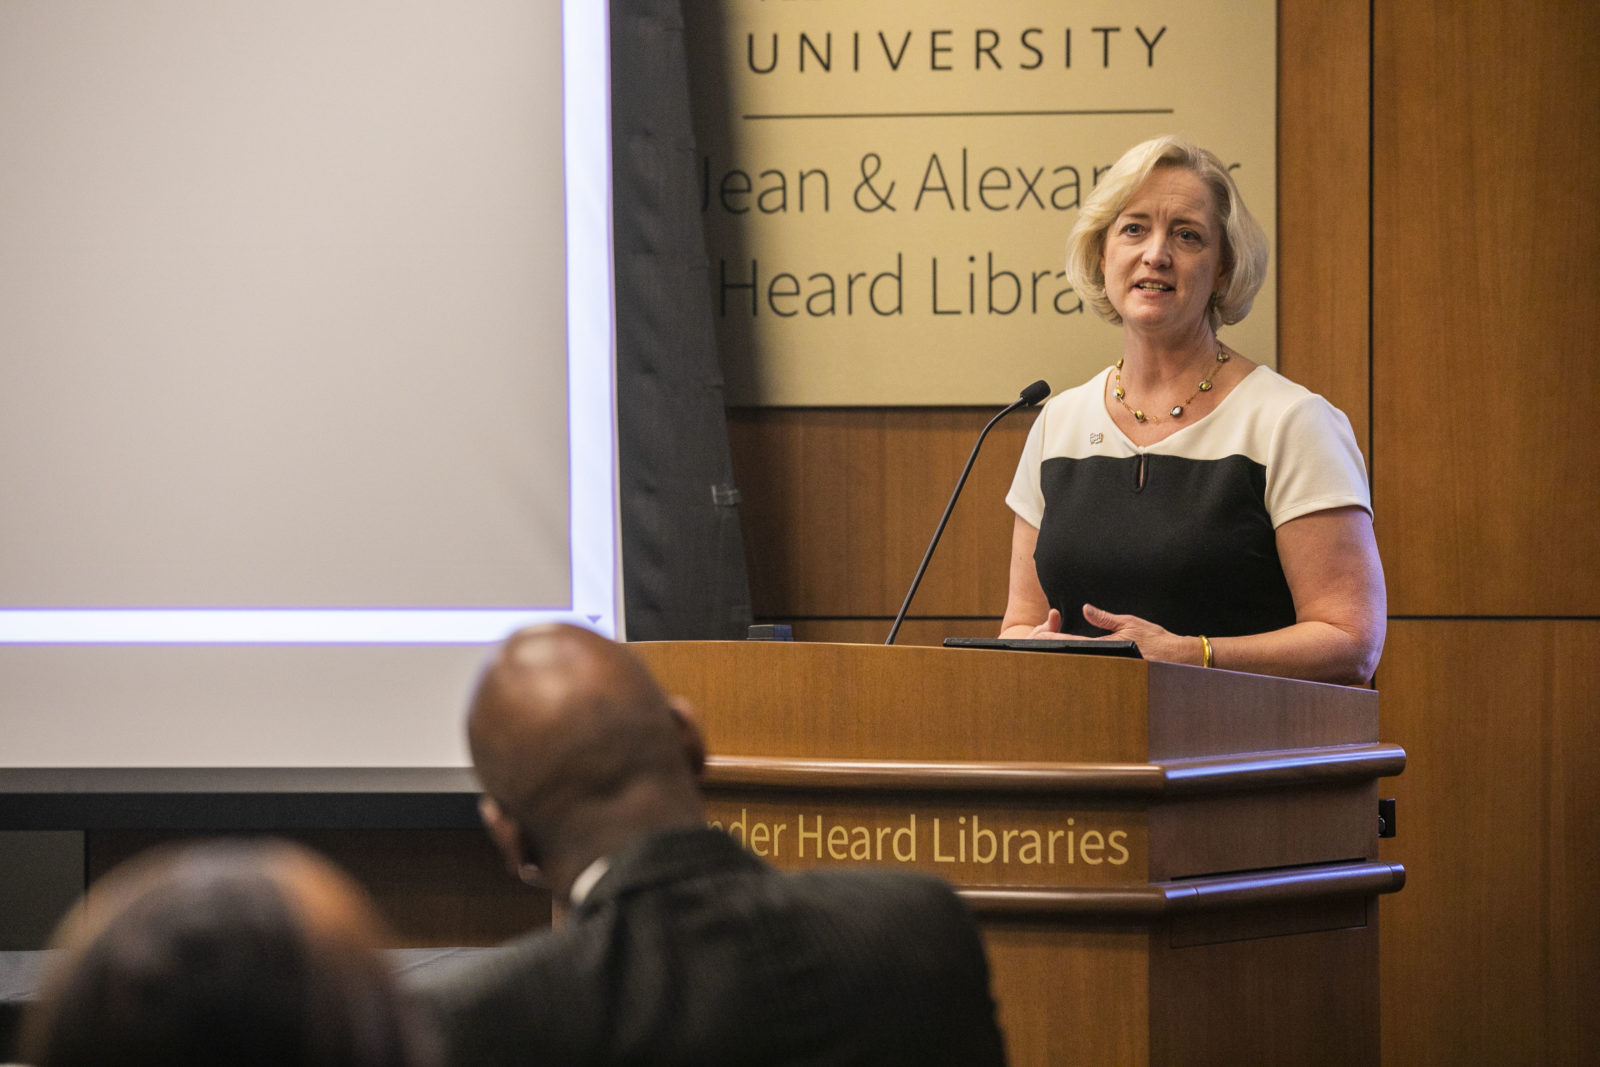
pixel 887 187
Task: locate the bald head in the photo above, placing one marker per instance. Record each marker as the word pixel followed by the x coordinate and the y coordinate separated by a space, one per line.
pixel 574 741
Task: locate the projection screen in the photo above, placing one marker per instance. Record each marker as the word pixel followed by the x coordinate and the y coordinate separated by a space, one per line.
pixel 306 393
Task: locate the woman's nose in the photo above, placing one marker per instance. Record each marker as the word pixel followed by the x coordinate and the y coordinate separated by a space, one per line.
pixel 1155 251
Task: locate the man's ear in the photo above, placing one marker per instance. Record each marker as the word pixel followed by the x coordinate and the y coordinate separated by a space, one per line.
pixel 507 837
pixel 694 742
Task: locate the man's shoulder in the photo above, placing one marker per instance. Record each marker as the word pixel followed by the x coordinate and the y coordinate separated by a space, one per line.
pixel 888 961
pixel 877 883
pixel 711 864
pixel 883 906
pixel 466 976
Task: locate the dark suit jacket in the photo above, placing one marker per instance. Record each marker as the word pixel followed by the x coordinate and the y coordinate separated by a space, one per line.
pixel 692 951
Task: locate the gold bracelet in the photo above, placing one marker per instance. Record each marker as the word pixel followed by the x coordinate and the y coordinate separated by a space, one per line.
pixel 1205 652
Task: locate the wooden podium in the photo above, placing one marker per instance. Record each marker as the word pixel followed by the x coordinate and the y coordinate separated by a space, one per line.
pixel 1171 865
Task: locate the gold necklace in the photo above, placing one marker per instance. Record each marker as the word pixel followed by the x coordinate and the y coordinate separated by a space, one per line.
pixel 1177 409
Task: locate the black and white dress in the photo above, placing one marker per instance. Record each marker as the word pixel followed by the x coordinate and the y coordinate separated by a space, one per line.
pixel 1182 532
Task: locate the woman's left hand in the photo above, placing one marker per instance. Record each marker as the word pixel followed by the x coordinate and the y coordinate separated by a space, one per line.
pixel 1154 642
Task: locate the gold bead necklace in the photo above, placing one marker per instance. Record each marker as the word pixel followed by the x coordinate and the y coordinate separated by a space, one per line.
pixel 1177 409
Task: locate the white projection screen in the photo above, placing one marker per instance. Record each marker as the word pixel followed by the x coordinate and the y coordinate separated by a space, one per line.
pixel 306 358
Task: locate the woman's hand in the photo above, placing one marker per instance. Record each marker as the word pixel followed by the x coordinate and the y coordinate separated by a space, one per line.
pixel 1154 642
pixel 1051 627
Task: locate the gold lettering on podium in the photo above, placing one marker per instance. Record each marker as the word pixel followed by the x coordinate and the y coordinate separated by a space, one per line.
pixel 973 846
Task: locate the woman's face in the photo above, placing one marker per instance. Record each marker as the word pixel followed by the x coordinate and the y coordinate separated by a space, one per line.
pixel 1162 256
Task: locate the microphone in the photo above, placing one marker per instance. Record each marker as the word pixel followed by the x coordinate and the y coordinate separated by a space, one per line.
pixel 1026 399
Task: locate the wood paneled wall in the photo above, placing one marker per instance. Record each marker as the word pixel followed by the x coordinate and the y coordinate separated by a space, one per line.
pixel 1324 300
pixel 1486 305
pixel 839 504
pixel 1439 280
pixel 1486 473
pixel 1491 953
pixel 433 888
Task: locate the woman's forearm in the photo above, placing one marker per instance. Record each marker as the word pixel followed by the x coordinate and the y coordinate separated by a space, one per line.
pixel 1316 651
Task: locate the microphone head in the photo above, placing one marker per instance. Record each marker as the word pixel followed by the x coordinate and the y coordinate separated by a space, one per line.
pixel 1035 392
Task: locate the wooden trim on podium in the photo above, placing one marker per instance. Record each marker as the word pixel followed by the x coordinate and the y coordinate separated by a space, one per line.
pixel 1267 770
pixel 1190 895
pixel 892 702
pixel 1178 777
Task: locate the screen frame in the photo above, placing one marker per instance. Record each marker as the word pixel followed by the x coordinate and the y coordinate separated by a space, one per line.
pixel 595 563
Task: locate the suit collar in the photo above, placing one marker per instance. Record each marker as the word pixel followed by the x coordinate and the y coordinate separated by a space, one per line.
pixel 667 856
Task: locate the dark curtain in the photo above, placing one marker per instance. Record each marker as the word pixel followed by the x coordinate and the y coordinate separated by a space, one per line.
pixel 683 571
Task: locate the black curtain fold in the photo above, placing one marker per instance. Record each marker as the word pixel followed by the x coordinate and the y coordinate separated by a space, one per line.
pixel 682 550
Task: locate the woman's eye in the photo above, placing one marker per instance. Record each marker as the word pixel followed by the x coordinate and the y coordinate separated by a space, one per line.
pixel 1189 235
pixel 1132 229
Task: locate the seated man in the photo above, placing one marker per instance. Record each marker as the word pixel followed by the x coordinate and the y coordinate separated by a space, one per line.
pixel 671 943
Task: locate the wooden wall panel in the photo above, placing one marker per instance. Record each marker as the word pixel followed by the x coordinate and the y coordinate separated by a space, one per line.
pixel 838 505
pixel 1484 200
pixel 1491 953
pixel 1323 203
pixel 433 888
pixel 1486 306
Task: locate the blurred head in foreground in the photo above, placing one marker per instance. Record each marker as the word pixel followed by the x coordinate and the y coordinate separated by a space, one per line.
pixel 221 953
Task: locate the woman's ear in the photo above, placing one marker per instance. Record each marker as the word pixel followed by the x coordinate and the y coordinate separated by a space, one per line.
pixel 1224 277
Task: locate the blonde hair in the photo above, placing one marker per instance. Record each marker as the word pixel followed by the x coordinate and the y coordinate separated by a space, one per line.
pixel 1244 246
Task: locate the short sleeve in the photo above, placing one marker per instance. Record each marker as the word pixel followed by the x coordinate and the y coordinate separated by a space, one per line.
pixel 1314 463
pixel 1026 497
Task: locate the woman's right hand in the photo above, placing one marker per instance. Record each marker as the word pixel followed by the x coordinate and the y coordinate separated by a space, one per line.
pixel 1051 627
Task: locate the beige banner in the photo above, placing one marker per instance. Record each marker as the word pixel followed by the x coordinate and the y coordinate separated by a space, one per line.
pixel 887 186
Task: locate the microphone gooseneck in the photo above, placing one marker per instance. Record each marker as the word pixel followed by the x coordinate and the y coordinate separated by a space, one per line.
pixel 1026 399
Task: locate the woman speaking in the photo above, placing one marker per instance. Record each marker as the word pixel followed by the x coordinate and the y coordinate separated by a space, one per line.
pixel 1186 498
